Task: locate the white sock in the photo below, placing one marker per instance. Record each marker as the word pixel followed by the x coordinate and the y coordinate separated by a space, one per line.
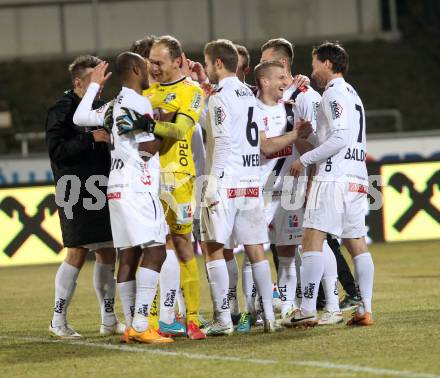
pixel 263 282
pixel 181 302
pixel 105 287
pixel 364 268
pixel 146 287
pixel 127 293
pixel 65 282
pixel 169 286
pixel 330 279
pixel 287 282
pixel 312 269
pixel 218 284
pixel 232 292
pixel 298 262
pixel 249 289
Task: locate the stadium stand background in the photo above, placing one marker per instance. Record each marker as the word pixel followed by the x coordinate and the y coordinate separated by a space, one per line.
pixel 399 73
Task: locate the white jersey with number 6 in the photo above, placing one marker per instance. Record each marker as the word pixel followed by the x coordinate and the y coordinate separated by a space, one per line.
pixel 231 113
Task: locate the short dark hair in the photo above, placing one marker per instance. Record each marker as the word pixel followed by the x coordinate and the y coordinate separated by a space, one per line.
pixel 143 46
pixel 243 51
pixel 173 45
pixel 334 53
pixel 224 50
pixel 81 63
pixel 125 63
pixel 261 69
pixel 280 46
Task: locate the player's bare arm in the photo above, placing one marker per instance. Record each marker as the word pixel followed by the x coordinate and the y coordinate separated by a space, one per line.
pixel 269 146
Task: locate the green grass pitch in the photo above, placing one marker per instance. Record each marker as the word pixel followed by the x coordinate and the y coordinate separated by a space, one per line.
pixel 404 342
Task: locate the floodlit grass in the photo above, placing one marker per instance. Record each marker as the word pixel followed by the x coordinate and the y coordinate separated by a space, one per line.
pixel 406 335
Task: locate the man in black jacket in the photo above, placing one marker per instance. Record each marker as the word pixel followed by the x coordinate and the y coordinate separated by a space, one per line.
pixel 78 157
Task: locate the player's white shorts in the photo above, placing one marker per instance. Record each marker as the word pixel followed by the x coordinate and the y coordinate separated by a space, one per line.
pixel 239 217
pixel 284 225
pixel 137 219
pixel 337 208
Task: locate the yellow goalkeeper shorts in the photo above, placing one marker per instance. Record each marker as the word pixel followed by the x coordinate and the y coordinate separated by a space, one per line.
pixel 178 200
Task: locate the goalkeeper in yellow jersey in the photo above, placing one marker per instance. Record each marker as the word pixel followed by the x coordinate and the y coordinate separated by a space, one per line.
pixel 177 103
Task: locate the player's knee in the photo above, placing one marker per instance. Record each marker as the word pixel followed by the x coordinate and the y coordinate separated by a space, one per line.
pixel 76 257
pixel 106 255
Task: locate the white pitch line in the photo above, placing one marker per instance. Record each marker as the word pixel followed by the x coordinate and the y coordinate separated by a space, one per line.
pixel 197 356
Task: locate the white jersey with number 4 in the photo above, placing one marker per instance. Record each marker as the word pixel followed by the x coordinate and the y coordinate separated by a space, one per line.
pixel 342 109
pixel 231 114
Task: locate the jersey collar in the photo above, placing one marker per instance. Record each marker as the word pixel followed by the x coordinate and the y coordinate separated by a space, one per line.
pixel 173 82
pixel 225 80
pixel 338 80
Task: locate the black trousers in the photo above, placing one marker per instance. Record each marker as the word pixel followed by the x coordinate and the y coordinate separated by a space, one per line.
pixel 344 273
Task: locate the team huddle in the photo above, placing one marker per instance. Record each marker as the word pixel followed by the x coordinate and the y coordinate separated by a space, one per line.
pixel 276 163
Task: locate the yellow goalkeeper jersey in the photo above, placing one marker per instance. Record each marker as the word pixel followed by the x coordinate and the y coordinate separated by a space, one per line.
pixel 183 96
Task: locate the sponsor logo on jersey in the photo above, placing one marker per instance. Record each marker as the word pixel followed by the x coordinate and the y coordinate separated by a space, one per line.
pixel 336 109
pixel 243 192
pixel 266 123
pixel 170 97
pixel 357 188
pixel 114 195
pixel 241 92
pixel 183 153
pixel 219 115
pixel 286 151
pixel 196 101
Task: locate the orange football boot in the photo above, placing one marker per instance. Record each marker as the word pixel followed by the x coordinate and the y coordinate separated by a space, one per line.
pixel 149 336
pixel 365 319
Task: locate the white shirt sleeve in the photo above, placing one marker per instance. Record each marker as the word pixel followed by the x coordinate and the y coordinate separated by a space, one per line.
pixel 84 114
pixel 333 106
pixel 307 105
pixel 198 150
pixel 221 123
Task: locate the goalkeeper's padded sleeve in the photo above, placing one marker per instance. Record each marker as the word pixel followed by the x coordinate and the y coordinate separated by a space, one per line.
pixel 176 130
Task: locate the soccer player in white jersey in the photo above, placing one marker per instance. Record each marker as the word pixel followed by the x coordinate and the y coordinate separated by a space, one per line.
pixel 302 102
pixel 136 214
pixel 232 197
pixel 338 197
pixel 284 198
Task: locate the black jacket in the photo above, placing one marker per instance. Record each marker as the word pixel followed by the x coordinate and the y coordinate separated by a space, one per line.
pixel 72 151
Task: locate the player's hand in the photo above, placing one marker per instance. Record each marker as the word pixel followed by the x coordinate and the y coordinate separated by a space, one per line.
pixel 198 72
pixel 300 80
pixel 303 128
pixel 296 168
pixel 132 120
pixel 101 135
pixel 186 71
pixel 209 194
pixel 108 118
pixel 98 74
